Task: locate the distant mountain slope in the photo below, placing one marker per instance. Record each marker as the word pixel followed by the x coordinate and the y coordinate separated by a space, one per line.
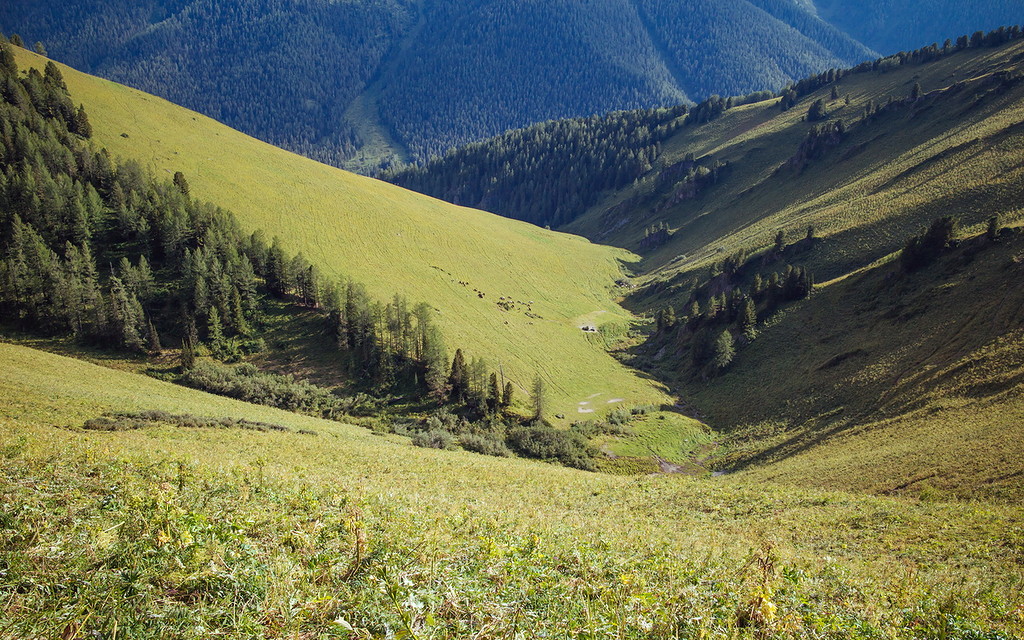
pixel 396 242
pixel 429 75
pixel 888 26
pixel 281 70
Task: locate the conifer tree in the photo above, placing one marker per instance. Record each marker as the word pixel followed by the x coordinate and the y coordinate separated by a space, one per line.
pixel 153 338
pixel 537 398
pixel 992 233
pixel 746 321
pixel 215 332
pixel 126 316
pixel 180 182
pixel 82 126
pixel 493 394
pixel 507 396
pixel 457 379
pixel 724 352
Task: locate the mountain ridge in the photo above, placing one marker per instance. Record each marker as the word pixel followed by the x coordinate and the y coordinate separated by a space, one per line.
pixel 452 72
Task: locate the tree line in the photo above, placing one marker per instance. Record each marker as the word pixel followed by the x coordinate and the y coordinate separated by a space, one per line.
pixel 722 311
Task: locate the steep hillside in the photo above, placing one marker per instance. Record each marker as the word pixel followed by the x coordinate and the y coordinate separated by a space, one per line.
pixel 462 262
pixel 352 80
pixel 313 528
pixel 888 377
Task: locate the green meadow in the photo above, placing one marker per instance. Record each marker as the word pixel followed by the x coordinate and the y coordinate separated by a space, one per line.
pixel 168 530
pixel 462 262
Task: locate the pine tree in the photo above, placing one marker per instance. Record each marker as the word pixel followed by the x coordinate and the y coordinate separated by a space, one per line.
pixel 493 394
pixel 457 379
pixel 537 398
pixel 82 126
pixel 506 397
pixel 153 338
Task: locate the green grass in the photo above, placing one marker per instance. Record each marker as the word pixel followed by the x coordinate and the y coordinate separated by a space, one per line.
pixel 949 154
pixel 922 393
pixel 194 532
pixel 888 383
pixel 393 241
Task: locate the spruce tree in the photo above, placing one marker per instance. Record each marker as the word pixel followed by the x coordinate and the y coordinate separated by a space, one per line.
pixel 153 338
pixel 457 383
pixel 493 394
pixel 506 397
pixel 537 398
pixel 82 126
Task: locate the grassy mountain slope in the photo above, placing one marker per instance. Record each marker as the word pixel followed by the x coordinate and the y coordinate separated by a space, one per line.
pixel 395 241
pixel 250 534
pixel 881 380
pixel 886 179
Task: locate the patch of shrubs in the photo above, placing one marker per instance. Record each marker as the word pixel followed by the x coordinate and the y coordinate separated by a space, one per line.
pixel 922 250
pixel 594 428
pixel 486 444
pixel 492 436
pixel 245 382
pixel 546 443
pixel 146 419
pixel 434 439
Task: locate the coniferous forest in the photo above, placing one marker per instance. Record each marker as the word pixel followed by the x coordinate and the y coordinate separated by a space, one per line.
pixel 321 78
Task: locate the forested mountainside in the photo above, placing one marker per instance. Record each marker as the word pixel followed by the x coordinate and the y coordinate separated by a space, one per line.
pixel 372 81
pixel 889 27
pixel 550 173
pixel 96 251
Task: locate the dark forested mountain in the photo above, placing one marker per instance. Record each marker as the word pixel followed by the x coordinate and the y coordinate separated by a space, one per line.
pixel 410 79
pixel 281 70
pixel 889 27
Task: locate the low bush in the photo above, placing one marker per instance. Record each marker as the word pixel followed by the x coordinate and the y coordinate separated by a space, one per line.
pixel 485 444
pixel 246 382
pixel 547 443
pixel 145 419
pixel 434 439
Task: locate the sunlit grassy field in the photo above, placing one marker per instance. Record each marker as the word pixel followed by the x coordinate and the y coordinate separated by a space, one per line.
pixel 394 241
pixel 170 531
pixel 958 150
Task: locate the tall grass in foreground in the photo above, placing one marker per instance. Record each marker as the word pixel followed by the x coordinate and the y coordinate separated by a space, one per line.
pixel 104 547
